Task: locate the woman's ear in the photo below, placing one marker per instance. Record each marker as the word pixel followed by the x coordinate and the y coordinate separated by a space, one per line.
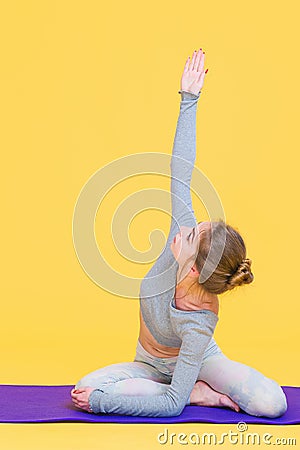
pixel 194 271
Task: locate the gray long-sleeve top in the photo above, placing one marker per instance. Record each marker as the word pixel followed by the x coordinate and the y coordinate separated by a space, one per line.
pixel 189 330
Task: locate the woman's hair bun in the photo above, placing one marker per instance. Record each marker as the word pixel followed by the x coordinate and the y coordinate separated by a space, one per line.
pixel 242 275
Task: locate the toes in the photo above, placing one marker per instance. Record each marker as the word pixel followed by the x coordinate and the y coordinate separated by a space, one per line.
pixel 226 401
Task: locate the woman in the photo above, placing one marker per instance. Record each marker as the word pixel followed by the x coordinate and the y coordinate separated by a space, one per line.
pixel 177 360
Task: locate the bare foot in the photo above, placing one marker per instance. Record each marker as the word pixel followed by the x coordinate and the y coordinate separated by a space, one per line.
pixel 203 395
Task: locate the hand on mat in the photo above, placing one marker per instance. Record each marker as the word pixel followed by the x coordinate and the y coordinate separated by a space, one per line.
pixel 193 75
pixel 80 397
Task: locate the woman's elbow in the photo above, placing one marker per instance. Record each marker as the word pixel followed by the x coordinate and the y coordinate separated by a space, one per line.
pixel 177 409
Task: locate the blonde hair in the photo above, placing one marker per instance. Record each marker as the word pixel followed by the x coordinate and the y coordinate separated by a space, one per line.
pixel 233 269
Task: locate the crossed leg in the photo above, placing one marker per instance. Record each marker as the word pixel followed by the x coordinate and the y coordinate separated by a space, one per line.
pixel 130 378
pixel 256 394
pixel 140 378
pixel 248 388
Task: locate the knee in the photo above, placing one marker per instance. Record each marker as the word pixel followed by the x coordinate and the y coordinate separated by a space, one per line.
pixel 89 381
pixel 270 403
pixel 274 407
pixel 279 403
pixel 82 383
pixel 78 385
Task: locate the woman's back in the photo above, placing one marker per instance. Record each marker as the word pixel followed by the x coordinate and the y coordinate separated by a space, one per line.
pixel 194 301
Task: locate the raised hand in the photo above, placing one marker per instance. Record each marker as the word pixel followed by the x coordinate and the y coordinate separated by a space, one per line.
pixel 193 75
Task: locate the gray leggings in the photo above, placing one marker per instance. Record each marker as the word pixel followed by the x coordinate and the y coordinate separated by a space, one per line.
pixel 256 394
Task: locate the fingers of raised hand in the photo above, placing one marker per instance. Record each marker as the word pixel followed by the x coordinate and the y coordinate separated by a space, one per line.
pixel 187 63
pixel 201 62
pixel 192 62
pixel 197 62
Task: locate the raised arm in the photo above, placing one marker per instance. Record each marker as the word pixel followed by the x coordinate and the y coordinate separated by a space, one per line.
pixel 160 277
pixel 184 147
pixel 182 164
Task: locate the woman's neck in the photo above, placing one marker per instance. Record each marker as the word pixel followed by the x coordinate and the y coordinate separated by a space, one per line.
pixel 192 296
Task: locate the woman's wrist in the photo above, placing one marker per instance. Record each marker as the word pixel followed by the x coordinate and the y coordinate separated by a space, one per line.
pixel 188 94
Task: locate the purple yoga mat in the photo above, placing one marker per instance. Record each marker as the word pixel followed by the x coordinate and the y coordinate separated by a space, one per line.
pixel 39 404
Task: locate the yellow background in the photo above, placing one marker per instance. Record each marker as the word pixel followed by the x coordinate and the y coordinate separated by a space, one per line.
pixel 85 83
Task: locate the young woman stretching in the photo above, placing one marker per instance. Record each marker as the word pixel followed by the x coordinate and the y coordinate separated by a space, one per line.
pixel 177 360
